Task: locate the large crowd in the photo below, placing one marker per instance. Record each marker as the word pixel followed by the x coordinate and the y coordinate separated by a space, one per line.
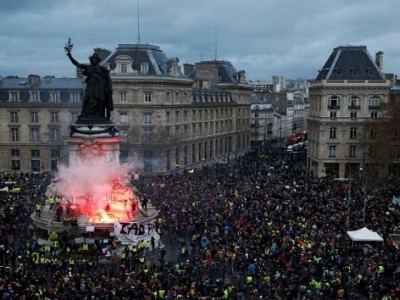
pixel 258 227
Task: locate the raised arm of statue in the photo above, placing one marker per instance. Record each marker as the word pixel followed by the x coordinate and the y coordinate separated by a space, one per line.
pixel 68 48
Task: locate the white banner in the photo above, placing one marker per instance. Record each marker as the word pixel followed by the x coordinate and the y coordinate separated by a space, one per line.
pixel 133 232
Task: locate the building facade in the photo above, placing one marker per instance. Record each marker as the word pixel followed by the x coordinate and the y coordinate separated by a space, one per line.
pixel 262 121
pixel 36 114
pixel 347 92
pixel 171 121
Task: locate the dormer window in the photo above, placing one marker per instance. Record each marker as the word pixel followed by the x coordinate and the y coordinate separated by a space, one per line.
pixel 13 96
pixel 144 68
pixel 34 96
pixel 55 97
pixel 123 65
pixel 75 97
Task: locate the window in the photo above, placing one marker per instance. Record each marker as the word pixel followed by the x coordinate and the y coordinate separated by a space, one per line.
pixel 332 151
pixel 352 151
pixel 374 114
pixel 332 114
pixel 54 117
pixel 354 103
pixel 13 96
pixel 55 134
pixel 168 96
pixel 124 68
pixel 34 96
pixel 75 97
pixel 54 97
pixel 353 115
pixel 14 117
pixel 353 132
pixel 35 160
pixel 168 117
pixel 147 118
pixel 147 97
pixel 334 102
pixel 123 97
pixel 55 156
pixel 372 134
pixel 14 135
pixel 185 116
pixel 35 136
pixel 144 68
pixel 123 117
pixel 34 116
pixel 374 102
pixel 148 135
pixel 15 159
pixel 332 133
pixel 74 116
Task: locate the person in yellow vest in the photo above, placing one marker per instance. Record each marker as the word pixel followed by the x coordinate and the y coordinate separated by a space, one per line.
pixel 38 209
pixel 381 270
pixel 57 201
pixel 51 202
pixel 85 249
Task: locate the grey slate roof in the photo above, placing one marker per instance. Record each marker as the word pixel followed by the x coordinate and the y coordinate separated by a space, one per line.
pixel 45 85
pixel 350 63
pixel 226 72
pixel 141 53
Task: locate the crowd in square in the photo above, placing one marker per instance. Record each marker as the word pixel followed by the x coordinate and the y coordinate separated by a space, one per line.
pixel 258 227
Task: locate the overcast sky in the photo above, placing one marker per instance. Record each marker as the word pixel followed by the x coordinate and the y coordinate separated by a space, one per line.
pixel 263 37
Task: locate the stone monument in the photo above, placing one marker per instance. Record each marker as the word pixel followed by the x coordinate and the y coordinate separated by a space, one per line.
pixel 96 197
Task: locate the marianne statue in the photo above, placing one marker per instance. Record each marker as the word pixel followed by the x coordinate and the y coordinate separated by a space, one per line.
pixel 97 103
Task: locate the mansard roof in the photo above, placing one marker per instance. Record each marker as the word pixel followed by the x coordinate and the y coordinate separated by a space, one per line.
pixel 44 83
pixel 226 71
pixel 140 54
pixel 350 63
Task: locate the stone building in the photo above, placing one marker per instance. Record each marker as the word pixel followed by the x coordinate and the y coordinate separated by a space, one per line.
pixel 36 113
pixel 170 120
pixel 347 92
pixel 175 120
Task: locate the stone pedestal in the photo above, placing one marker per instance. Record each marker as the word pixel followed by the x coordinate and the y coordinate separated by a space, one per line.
pixel 88 141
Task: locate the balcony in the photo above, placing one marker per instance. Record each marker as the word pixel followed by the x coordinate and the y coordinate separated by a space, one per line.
pixel 354 107
pixel 334 107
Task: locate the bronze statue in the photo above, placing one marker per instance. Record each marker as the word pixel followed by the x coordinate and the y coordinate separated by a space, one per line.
pixel 97 103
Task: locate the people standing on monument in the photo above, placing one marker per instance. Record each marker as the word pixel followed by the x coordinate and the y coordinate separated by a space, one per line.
pixel 97 101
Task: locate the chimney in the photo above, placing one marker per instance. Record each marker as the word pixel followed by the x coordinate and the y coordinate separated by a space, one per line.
pixel 33 79
pixel 379 59
pixel 188 68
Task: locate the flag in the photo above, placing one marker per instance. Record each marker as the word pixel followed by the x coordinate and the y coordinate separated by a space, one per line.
pixel 396 200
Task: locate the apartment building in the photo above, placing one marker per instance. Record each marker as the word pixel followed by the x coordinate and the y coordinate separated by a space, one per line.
pixel 36 113
pixel 261 123
pixel 171 121
pixel 347 92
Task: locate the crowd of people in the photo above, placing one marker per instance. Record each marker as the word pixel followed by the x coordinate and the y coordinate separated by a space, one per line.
pixel 258 227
